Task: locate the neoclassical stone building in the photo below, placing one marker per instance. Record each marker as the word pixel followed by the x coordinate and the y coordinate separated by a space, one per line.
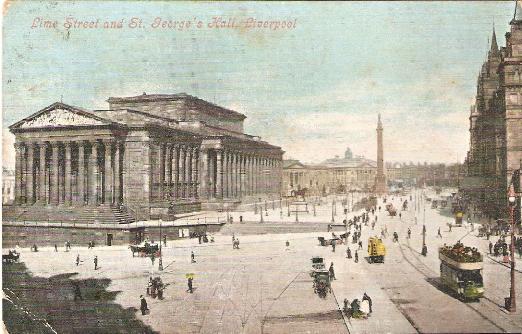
pixel 146 157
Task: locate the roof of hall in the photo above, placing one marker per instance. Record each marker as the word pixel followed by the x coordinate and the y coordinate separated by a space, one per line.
pixel 135 118
pixel 202 104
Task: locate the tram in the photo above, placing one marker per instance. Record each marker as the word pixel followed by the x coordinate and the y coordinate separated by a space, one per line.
pixel 461 271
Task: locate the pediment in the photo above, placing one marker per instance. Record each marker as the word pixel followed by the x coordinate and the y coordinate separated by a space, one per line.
pixel 60 115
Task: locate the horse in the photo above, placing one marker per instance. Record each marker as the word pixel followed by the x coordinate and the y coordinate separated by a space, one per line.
pixel 300 192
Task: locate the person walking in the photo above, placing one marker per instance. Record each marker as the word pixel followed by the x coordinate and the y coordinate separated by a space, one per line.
pixel 189 283
pixel 192 257
pixel 165 240
pixel 356 257
pixel 439 234
pixel 333 246
pixel 360 244
pixel 348 253
pixel 77 259
pixel 367 298
pixel 96 262
pixel 143 306
pixel 409 233
pixel 332 272
pixel 490 247
pixel 55 247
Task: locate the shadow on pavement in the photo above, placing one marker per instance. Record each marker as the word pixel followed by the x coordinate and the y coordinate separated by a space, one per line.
pixel 41 305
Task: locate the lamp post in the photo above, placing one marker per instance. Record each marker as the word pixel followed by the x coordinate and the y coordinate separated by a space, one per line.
pixel 281 207
pixel 424 251
pixel 512 204
pixel 160 265
pixel 260 211
pixel 296 214
pixel 333 220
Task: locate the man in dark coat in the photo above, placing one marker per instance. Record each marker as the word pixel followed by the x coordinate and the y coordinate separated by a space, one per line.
pixel 332 272
pixel 143 305
pixel 189 283
pixel 96 262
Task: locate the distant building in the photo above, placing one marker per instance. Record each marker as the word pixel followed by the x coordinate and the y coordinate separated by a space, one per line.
pixel 496 124
pixel 8 186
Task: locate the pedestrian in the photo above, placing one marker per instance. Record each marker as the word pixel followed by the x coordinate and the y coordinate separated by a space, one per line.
pixel 333 246
pixel 165 240
pixel 332 272
pixel 77 259
pixel 143 306
pixel 356 257
pixel 189 283
pixel 409 233
pixel 367 298
pixel 449 227
pixel 152 258
pixel 77 291
pixel 96 262
pixel 400 215
pixel 490 247
pixel 55 247
pixel 360 244
pixel 439 234
pixel 65 245
pixel 348 253
pixel 287 244
pixel 192 257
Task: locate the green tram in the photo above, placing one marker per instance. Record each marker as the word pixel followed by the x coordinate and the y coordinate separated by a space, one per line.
pixel 464 278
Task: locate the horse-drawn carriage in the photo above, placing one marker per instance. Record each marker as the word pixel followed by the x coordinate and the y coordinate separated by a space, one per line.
pixel 11 257
pixel 321 282
pixel 328 242
pixel 391 209
pixel 145 249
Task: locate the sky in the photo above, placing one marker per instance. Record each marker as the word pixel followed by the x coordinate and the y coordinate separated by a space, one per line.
pixel 313 89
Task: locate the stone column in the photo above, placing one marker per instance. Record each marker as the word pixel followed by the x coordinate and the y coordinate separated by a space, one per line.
pixel 176 172
pixel 190 154
pixel 241 176
pixel 168 171
pixel 43 179
pixel 219 174
pixel 107 195
pixel 247 175
pixel 54 173
pixel 182 171
pixel 161 171
pixel 232 175
pixel 68 174
pixel 195 172
pixel 226 172
pixel 117 173
pixel 18 173
pixel 93 175
pixel 81 173
pixel 204 174
pixel 30 174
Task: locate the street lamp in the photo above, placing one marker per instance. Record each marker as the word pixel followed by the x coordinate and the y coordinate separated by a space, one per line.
pixel 160 266
pixel 512 204
pixel 424 251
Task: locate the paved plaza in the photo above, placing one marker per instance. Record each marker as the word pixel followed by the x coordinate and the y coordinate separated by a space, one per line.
pixel 265 286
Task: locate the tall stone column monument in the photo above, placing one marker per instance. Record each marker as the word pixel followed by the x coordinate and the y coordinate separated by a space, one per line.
pixel 380 178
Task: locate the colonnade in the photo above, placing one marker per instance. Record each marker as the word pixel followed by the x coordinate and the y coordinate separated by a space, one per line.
pixel 69 172
pixel 178 172
pixel 235 174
